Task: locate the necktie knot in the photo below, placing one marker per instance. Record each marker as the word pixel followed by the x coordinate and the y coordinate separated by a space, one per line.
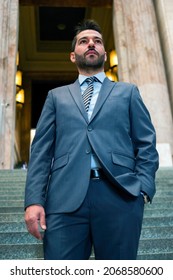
pixel 91 80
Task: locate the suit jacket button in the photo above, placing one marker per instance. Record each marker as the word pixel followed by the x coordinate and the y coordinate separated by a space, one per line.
pixel 88 151
pixel 90 128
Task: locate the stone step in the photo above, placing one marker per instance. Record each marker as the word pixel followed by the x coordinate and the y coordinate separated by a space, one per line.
pixel 155 249
pixel 156 256
pixel 21 252
pixel 161 200
pixel 12 192
pixel 157 232
pixel 17 215
pixel 5 176
pixel 165 193
pixel 158 213
pixel 149 223
pixel 12 226
pixel 162 203
pixel 163 182
pixel 23 237
pixel 155 221
pixel 10 180
pixel 155 246
pixel 8 189
pixel 18 238
pixel 12 185
pixel 12 172
pixel 23 174
pixel 10 198
pixel 7 210
pixel 164 172
pixel 12 203
pixel 11 217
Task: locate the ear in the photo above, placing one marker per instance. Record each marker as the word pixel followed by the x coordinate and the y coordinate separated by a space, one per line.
pixel 105 56
pixel 72 57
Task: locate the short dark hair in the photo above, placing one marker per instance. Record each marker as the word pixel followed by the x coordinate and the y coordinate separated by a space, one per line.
pixel 85 25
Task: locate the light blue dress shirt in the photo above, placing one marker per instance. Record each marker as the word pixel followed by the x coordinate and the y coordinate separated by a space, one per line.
pixel 97 86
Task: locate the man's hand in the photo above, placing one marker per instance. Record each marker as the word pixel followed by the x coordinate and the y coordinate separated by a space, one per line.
pixel 35 216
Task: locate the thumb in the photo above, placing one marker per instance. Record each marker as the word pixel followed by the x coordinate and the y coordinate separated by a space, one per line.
pixel 43 221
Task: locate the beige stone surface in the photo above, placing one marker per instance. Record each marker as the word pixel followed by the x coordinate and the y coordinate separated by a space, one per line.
pixel 164 150
pixel 164 13
pixel 154 97
pixel 141 61
pixel 8 47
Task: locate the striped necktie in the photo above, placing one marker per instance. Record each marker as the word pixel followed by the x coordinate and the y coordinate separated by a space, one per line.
pixel 87 94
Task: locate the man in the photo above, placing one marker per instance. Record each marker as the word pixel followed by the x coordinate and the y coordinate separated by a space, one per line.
pixel 91 169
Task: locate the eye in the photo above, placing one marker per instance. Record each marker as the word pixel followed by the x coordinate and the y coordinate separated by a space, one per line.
pixel 98 41
pixel 83 41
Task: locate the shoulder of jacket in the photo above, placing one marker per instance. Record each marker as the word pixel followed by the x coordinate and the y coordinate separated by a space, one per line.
pixel 126 84
pixel 58 90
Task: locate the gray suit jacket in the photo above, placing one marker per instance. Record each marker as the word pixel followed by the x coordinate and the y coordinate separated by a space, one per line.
pixel 120 133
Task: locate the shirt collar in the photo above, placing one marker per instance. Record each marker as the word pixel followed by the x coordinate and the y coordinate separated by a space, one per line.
pixel 100 76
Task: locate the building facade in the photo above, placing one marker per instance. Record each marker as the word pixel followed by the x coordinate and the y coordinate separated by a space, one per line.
pixel 140 31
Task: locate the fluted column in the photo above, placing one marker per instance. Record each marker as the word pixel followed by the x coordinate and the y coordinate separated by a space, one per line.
pixel 8 47
pixel 141 62
pixel 164 13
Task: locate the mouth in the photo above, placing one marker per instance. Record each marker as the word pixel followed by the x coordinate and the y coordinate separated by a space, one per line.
pixel 91 52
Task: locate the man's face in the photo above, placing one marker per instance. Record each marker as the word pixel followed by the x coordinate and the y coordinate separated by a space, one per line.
pixel 89 52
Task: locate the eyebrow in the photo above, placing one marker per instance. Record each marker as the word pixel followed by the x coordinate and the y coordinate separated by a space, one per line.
pixel 86 37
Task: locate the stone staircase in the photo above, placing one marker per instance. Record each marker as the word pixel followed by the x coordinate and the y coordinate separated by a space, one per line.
pixel 15 243
pixel 156 241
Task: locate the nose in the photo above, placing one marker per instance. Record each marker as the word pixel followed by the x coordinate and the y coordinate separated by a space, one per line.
pixel 91 42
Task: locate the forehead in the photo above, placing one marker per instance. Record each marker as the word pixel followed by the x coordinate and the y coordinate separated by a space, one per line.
pixel 89 33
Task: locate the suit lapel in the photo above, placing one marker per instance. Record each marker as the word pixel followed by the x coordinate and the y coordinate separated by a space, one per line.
pixel 75 91
pixel 103 94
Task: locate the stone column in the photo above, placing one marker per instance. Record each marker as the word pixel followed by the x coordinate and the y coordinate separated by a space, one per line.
pixel 141 62
pixel 164 13
pixel 8 46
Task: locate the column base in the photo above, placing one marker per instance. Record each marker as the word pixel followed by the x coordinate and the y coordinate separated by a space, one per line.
pixel 165 154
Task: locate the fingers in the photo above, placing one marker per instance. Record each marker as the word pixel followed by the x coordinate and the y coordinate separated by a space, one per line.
pixel 34 216
pixel 33 229
pixel 43 221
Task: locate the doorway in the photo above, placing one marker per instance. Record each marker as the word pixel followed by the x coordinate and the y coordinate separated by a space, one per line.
pixel 45 33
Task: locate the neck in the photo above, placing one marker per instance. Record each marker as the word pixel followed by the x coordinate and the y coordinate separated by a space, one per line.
pixel 89 72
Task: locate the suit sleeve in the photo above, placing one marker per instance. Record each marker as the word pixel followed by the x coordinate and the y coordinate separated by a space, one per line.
pixel 42 151
pixel 144 141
